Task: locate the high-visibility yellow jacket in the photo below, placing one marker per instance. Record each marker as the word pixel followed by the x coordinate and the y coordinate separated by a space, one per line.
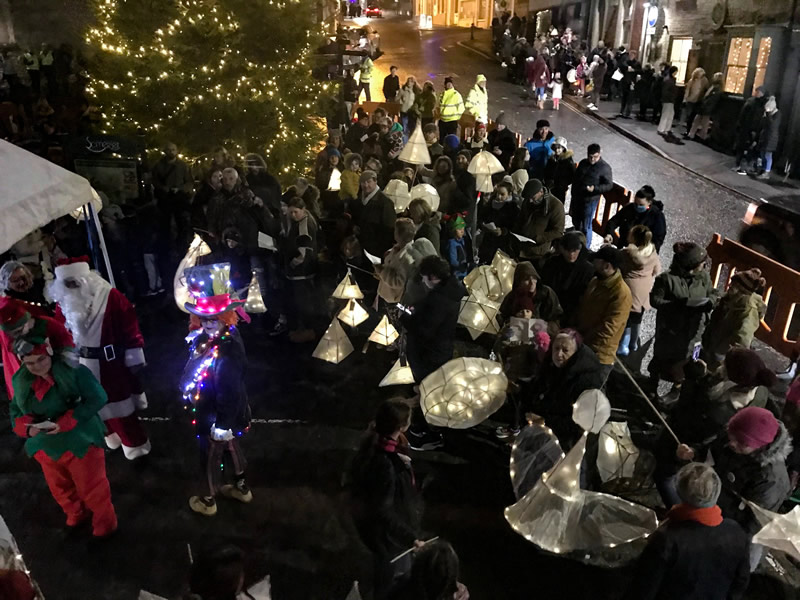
pixel 451 106
pixel 366 70
pixel 478 103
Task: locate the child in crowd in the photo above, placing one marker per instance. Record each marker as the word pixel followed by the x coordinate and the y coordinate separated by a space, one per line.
pixel 457 253
pixel 558 90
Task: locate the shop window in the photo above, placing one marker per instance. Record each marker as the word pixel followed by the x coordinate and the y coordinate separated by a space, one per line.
pixel 736 66
pixel 764 47
pixel 679 56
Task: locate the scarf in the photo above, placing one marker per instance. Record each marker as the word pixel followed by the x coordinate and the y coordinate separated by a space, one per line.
pixel 711 516
pixel 399 447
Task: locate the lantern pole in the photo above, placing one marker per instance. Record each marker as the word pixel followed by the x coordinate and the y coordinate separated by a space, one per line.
pixel 649 403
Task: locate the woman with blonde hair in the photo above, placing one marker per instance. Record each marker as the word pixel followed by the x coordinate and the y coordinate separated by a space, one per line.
pixel 696 88
pixel 708 107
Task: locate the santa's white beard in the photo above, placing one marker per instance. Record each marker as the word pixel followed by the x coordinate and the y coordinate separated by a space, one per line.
pixel 75 304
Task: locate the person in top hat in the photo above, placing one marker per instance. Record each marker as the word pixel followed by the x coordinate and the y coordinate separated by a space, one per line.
pixel 213 383
pixel 55 409
pixel 696 553
pixel 105 328
pixel 16 321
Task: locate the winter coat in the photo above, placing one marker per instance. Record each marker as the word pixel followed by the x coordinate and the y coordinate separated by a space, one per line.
pixel 223 396
pixel 554 392
pixel 504 219
pixel 238 209
pixel 350 89
pixel 599 75
pixel 770 132
pixel 628 216
pixel 424 104
pixel 356 136
pixel 678 326
pixel 72 403
pixel 733 322
pixel 711 100
pixel 559 173
pixel 569 281
pixel 537 73
pixel 669 90
pixel 431 231
pixel 760 477
pixel 350 185
pixel 602 314
pixel 458 257
pixel 599 175
pixel 431 328
pixel 751 115
pixel 518 179
pixel 506 142
pixel 688 560
pixel 399 266
pixel 300 255
pixel 406 97
pixel 391 85
pixel 545 306
pixel 540 150
pixel 542 223
pixel 696 86
pixel 375 222
pixel 477 103
pixel 640 267
pixel 451 105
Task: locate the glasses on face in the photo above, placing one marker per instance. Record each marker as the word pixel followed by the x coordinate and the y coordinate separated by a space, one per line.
pixel 72 284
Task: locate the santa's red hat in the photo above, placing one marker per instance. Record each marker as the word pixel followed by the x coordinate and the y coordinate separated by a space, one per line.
pixel 72 267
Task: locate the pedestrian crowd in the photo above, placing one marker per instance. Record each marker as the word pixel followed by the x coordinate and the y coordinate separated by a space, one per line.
pixel 72 349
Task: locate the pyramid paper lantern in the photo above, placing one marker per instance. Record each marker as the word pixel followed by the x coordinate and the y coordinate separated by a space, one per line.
pixel 504 267
pixel 255 303
pixel 415 152
pixel 484 279
pixel 428 193
pixel 398 375
pixel 463 393
pixel 385 333
pixel 334 346
pixel 397 191
pixel 335 182
pixel 479 314
pixel 354 593
pixel 353 314
pixel 348 289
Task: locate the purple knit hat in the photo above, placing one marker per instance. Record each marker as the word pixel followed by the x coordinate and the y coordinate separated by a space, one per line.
pixel 753 427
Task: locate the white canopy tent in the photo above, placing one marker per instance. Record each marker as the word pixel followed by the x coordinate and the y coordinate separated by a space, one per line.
pixel 34 191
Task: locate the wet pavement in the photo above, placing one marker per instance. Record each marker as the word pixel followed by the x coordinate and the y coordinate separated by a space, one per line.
pixel 309 418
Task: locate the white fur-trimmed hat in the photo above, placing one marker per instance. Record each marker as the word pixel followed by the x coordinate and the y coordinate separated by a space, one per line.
pixel 78 268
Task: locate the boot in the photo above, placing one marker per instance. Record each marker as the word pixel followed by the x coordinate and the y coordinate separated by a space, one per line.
pixel 624 343
pixel 238 491
pixel 203 505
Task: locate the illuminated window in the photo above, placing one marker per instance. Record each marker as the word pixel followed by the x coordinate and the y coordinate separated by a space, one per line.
pixel 764 46
pixel 679 56
pixel 738 60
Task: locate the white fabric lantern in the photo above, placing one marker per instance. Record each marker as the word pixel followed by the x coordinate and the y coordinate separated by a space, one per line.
pixel 384 334
pixel 334 346
pixel 347 289
pixel 397 191
pixel 504 267
pixel 483 165
pixel 255 302
pixel 591 411
pixel 484 279
pixel 463 393
pixel 617 454
pixel 197 249
pixel 535 451
pixel 778 532
pixel 479 314
pixel 415 152
pixel 353 314
pixel 398 375
pixel 428 193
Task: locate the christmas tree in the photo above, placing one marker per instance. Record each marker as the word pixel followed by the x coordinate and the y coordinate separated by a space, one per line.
pixel 206 72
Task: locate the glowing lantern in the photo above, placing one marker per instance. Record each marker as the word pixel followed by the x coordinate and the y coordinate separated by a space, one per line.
pixel 478 314
pixel 399 374
pixel 591 411
pixel 428 193
pixel 347 288
pixel 504 267
pixel 197 249
pixel 484 279
pixel 397 191
pixel 255 303
pixel 463 393
pixel 535 451
pixel 483 165
pixel 353 314
pixel 334 346
pixel 415 152
pixel 384 334
pixel 617 454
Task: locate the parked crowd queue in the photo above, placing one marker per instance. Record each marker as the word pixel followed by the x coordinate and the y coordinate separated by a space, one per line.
pixel 410 263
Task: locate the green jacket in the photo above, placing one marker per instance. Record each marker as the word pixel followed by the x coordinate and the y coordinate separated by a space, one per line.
pixel 734 322
pixel 72 402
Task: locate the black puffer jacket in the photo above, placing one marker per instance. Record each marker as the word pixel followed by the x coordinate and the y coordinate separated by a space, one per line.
pixel 559 173
pixel 569 281
pixel 760 477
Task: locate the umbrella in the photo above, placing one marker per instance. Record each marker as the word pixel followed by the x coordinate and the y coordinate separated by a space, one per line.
pixel 479 314
pixel 483 165
pixel 353 314
pixel 463 392
pixel 397 191
pixel 347 288
pixel 535 451
pixel 399 374
pixel 428 193
pixel 415 152
pixel 334 346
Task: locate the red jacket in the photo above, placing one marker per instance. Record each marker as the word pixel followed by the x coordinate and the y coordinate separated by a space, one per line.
pixel 537 72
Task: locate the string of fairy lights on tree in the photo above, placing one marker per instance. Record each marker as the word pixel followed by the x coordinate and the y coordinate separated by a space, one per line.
pixel 207 72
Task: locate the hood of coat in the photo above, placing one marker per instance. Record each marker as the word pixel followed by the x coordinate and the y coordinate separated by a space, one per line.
pixel 350 157
pixel 448 175
pixel 640 256
pixel 566 155
pixel 524 270
pixel 775 452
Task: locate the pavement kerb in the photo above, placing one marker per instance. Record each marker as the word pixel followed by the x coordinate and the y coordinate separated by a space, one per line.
pixel 571 102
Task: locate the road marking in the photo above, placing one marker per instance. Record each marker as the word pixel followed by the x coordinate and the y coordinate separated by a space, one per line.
pixel 442 48
pixel 476 51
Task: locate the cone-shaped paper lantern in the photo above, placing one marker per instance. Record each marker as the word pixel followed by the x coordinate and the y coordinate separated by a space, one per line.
pixel 504 267
pixel 484 279
pixel 428 193
pixel 353 314
pixel 255 303
pixel 478 314
pixel 335 182
pixel 463 393
pixel 385 333
pixel 347 289
pixel 197 249
pixel 334 345
pixel 397 375
pixel 558 516
pixel 354 593
pixel 397 191
pixel 535 451
pixel 415 152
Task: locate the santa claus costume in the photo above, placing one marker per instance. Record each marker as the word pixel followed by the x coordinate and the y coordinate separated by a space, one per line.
pixel 55 408
pixel 105 329
pixel 21 320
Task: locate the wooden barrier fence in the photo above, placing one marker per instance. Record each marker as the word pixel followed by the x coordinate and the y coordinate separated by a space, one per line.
pixel 781 295
pixel 609 205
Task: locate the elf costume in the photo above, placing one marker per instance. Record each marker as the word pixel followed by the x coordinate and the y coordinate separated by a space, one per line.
pixel 213 383
pixel 73 459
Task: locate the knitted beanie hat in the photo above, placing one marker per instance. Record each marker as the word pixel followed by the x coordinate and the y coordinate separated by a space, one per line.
pixel 753 427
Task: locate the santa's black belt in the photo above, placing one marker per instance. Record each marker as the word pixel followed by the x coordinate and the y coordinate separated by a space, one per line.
pixel 107 353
